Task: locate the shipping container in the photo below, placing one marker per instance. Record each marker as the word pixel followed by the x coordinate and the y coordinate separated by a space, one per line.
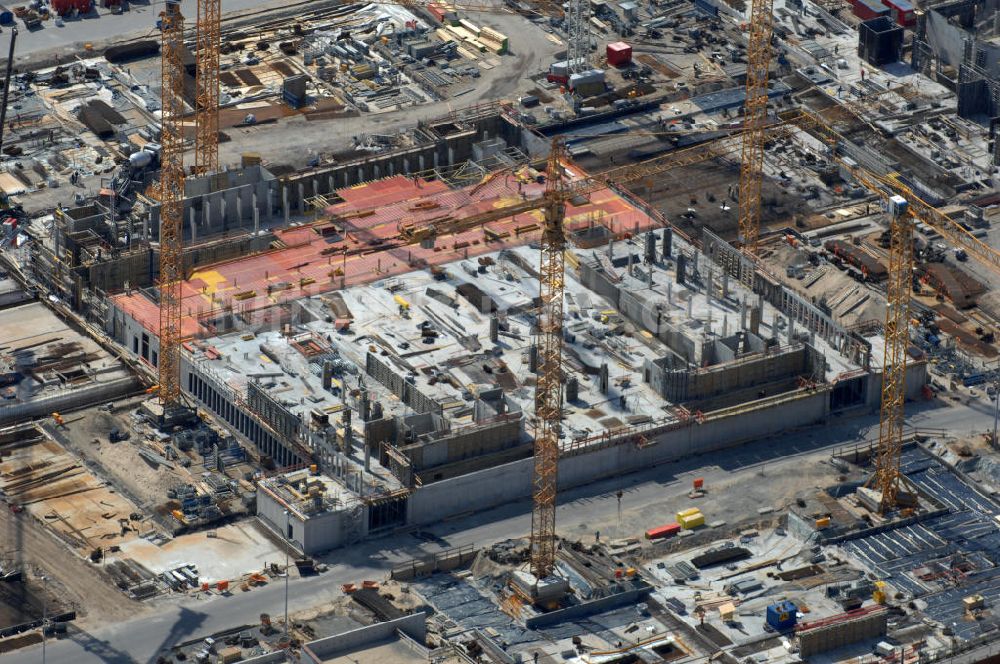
pixel 782 616
pixel 869 9
pixel 901 12
pixel 619 54
pixel 688 512
pixel 437 11
pixel 668 530
pixel 693 521
pixel 720 555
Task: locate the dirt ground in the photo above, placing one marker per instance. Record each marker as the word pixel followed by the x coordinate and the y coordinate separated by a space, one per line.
pixel 705 188
pixel 51 486
pixel 80 583
pixel 120 463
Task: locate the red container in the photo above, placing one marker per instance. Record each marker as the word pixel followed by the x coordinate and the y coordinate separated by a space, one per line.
pixel 901 12
pixel 437 11
pixel 66 7
pixel 660 532
pixel 869 9
pixel 619 54
pixel 699 482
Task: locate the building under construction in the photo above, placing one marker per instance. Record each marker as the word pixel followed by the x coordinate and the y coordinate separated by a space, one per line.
pixel 386 384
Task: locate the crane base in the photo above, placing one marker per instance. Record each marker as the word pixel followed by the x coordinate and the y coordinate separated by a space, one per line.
pixel 549 590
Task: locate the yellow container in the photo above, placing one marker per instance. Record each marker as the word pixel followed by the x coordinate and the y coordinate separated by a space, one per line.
pixel 823 523
pixel 688 512
pixel 691 522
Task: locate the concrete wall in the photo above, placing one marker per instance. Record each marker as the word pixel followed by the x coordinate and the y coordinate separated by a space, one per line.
pixel 414 626
pixel 916 378
pixel 471 442
pixel 822 639
pixel 682 384
pixel 317 533
pixel 237 199
pixel 78 397
pixel 512 481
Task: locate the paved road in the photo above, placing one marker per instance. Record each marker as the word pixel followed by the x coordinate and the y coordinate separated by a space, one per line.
pixel 139 20
pixel 173 620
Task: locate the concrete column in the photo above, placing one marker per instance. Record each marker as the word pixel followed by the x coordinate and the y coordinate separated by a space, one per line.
pixel 193 229
pixel 451 156
pixel 690 304
pixel 284 203
pixel 392 169
pixel 256 221
pixel 420 160
pixel 207 210
pixel 222 212
pixel 302 198
pixel 743 314
pixel 406 165
pixel 791 329
pixel 670 293
pixel 239 209
pixel 437 158
pixel 361 174
pixel 725 284
pixel 270 204
pixel 376 171
pixel 725 326
pixel 329 183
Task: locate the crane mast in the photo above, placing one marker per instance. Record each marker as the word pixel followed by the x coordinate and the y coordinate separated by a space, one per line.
pixel 897 318
pixel 754 121
pixel 171 196
pixel 548 389
pixel 206 142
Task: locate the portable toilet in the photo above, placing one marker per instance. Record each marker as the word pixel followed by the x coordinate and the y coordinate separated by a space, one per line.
pixel 781 616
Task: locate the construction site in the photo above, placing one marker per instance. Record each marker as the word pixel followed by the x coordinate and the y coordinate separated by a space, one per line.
pixel 517 332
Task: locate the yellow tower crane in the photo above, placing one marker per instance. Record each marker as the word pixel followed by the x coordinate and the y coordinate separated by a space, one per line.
pixel 761 26
pixel 548 389
pixel 904 207
pixel 170 192
pixel 208 43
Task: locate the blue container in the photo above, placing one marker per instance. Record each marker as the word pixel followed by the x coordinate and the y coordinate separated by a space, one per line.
pixel 6 18
pixel 781 616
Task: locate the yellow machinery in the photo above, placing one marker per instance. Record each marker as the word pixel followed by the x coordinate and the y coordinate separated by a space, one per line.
pixel 878 595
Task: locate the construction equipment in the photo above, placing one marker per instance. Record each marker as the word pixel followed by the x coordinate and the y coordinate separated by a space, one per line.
pixel 754 121
pixel 208 42
pixel 170 193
